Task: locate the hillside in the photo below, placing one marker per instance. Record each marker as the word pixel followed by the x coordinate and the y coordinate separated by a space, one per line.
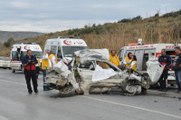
pixel 5 35
pixel 155 29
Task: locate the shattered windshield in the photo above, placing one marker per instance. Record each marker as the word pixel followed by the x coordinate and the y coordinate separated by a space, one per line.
pixel 69 50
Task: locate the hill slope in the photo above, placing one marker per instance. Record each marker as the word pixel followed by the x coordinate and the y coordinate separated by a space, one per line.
pixel 155 29
pixel 5 35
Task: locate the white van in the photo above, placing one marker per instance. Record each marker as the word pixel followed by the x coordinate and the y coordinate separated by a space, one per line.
pixel 64 48
pixel 5 62
pixel 18 51
pixel 144 52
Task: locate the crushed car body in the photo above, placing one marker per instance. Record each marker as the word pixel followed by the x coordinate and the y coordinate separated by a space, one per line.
pixel 91 72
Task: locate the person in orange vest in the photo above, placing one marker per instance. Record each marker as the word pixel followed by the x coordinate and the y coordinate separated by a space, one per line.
pixel 113 58
pixel 29 62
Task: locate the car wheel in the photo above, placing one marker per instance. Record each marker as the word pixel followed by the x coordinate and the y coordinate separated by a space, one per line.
pixel 67 91
pixel 129 87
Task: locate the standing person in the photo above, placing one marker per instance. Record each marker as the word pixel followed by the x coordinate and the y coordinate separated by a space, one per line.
pixel 177 67
pixel 45 65
pixel 133 65
pixel 52 58
pixel 128 59
pixel 29 62
pixel 164 60
pixel 18 55
pixel 113 58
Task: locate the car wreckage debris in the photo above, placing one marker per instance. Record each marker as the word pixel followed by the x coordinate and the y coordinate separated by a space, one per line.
pixel 91 72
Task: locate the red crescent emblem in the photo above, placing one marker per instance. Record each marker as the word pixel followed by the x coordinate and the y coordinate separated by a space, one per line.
pixel 67 42
pixel 25 47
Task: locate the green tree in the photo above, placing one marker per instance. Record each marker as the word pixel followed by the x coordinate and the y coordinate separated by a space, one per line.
pixel 9 42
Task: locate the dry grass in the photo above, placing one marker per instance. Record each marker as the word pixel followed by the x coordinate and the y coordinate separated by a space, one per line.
pixel 116 35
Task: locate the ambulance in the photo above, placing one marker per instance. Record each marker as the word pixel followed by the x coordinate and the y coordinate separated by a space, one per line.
pixel 18 51
pixel 144 52
pixel 64 47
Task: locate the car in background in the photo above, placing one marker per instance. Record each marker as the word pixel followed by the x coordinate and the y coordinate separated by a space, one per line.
pixel 5 62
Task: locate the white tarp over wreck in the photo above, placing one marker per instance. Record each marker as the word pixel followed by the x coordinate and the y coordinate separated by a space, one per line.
pixel 102 74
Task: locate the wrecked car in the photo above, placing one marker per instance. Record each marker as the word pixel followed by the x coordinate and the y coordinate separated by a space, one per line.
pixel 91 72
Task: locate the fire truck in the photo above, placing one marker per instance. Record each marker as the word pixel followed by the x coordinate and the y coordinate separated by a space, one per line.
pixel 144 52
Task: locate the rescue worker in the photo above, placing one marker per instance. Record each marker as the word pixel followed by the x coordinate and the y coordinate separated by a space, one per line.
pixel 48 61
pixel 133 64
pixel 128 59
pixel 114 58
pixel 52 58
pixel 177 67
pixel 164 60
pixel 29 61
pixel 45 65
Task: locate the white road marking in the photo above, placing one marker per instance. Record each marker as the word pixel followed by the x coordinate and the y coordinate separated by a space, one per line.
pixel 135 107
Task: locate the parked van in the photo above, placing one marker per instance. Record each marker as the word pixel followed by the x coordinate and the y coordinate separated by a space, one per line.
pixel 64 47
pixel 145 51
pixel 18 51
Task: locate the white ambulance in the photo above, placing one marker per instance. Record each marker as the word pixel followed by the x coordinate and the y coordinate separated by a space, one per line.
pixel 18 51
pixel 64 47
pixel 145 51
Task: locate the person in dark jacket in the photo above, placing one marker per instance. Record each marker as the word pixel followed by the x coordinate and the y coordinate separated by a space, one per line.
pixel 164 60
pixel 177 67
pixel 29 62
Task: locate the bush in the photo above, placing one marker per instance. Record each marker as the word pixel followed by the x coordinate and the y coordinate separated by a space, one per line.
pixel 137 18
pixel 9 42
pixel 172 14
pixel 124 20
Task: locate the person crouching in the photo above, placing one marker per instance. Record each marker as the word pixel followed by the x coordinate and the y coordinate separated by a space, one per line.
pixel 29 62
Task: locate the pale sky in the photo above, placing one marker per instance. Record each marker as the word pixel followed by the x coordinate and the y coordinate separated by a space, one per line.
pixel 58 15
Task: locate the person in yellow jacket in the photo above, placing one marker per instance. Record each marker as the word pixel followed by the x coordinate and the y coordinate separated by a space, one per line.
pixel 133 65
pixel 113 58
pixel 128 59
pixel 52 59
pixel 48 61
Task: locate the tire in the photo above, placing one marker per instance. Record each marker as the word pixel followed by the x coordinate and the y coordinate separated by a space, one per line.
pixel 129 87
pixel 13 70
pixel 67 91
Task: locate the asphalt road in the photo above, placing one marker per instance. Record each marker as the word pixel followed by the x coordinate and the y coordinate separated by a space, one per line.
pixel 16 104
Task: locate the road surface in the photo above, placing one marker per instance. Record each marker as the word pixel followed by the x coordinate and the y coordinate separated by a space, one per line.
pixel 16 104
